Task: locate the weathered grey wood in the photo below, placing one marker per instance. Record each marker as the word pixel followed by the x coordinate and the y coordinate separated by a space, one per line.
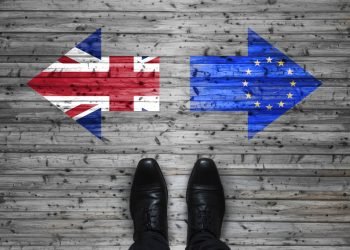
pixel 165 126
pixel 179 27
pixel 176 182
pixel 62 189
pixel 52 115
pixel 239 230
pixel 167 161
pixel 180 106
pixel 116 209
pixel 182 94
pixel 181 149
pixel 179 5
pixel 113 247
pixel 169 70
pixel 176 247
pixel 14 161
pixel 177 48
pixel 76 36
pixel 234 194
pixel 155 16
pixel 237 169
pixel 180 138
pixel 9 83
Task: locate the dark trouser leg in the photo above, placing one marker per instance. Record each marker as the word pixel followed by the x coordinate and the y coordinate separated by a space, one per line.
pixel 206 241
pixel 151 241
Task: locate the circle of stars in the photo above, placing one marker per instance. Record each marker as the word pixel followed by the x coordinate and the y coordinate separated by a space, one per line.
pixel 281 63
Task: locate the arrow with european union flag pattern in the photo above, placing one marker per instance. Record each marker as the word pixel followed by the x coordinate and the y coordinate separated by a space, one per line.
pixel 266 83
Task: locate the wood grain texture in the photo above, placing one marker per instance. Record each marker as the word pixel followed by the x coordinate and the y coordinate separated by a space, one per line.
pixel 62 189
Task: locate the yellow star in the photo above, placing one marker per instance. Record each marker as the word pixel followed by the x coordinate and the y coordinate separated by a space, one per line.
pixel 269 107
pixel 281 104
pixel 290 95
pixel 269 59
pixel 257 104
pixel 248 96
pixel 248 71
pixel 293 83
pixel 280 63
pixel 245 83
pixel 290 72
pixel 257 63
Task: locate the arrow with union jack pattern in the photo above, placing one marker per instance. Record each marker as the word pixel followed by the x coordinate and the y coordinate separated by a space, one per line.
pixel 83 84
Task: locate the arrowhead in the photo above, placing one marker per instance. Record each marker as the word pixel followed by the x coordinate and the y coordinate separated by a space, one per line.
pixel 64 91
pixel 92 44
pixel 274 85
pixel 92 122
pixel 258 46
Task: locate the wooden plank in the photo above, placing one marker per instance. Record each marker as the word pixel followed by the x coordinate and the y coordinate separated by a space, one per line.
pixel 30 56
pixel 173 107
pixel 123 162
pixel 175 182
pixel 169 94
pixel 29 70
pixel 156 15
pixel 69 38
pixel 116 209
pixel 178 6
pixel 183 138
pixel 232 194
pixel 172 48
pixel 32 22
pixel 113 247
pixel 10 83
pixel 175 149
pixel 111 244
pixel 68 126
pixel 168 70
pixel 120 228
pixel 237 170
pixel 299 118
pixel 178 247
pixel 179 26
pixel 53 115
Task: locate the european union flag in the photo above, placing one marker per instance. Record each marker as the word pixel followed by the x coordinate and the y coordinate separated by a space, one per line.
pixel 266 83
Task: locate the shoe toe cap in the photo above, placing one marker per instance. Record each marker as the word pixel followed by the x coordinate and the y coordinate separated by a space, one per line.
pixel 205 173
pixel 148 173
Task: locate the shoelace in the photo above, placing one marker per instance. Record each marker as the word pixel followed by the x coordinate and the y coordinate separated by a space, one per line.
pixel 150 217
pixel 204 218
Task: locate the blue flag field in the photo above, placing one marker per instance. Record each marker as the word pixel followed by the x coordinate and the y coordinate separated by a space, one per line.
pixel 266 83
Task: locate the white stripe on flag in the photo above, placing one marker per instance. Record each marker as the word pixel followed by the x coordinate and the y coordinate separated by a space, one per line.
pixel 102 66
pixel 146 103
pixel 66 103
pixel 142 65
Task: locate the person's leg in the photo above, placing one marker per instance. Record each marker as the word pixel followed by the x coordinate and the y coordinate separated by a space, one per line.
pixel 206 207
pixel 148 207
pixel 150 241
pixel 206 241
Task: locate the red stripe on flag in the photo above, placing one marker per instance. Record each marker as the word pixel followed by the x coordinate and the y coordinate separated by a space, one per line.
pixel 114 73
pixel 155 60
pixel 66 59
pixel 79 109
pixel 120 84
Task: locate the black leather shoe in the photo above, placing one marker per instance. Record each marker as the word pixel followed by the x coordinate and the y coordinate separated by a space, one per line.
pixel 148 199
pixel 205 200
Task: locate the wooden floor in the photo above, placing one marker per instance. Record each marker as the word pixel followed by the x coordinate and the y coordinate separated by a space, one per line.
pixel 61 188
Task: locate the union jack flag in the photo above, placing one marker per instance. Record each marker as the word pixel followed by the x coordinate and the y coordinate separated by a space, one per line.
pixel 83 84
